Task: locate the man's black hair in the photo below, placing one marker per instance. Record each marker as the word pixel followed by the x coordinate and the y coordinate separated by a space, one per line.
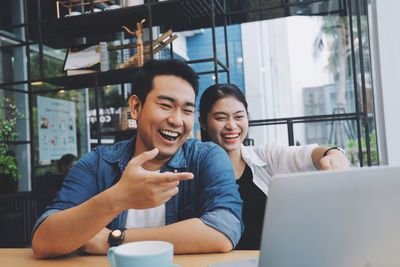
pixel 143 80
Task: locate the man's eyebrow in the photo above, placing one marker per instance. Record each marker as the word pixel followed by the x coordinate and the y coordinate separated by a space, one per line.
pixel 173 100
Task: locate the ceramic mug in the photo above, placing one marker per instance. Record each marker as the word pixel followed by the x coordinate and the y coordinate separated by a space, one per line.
pixel 143 254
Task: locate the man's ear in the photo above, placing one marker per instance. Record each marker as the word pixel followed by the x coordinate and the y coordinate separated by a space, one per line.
pixel 135 106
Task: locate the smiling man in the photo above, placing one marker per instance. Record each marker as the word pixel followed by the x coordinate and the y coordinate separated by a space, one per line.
pixel 156 186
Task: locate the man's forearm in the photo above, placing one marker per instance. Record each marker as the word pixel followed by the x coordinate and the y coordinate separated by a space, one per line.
pixel 188 236
pixel 67 230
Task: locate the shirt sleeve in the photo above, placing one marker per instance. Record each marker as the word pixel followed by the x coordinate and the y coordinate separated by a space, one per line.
pixel 42 217
pixel 78 186
pixel 219 200
pixel 286 159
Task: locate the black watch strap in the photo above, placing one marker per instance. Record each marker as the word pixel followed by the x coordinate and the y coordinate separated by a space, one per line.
pixel 332 148
pixel 115 237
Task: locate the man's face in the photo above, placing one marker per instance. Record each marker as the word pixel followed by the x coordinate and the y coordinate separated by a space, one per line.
pixel 167 116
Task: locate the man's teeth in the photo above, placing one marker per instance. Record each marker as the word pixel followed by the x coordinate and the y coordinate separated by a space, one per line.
pixel 169 133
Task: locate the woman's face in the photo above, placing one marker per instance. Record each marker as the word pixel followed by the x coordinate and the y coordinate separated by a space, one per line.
pixel 227 123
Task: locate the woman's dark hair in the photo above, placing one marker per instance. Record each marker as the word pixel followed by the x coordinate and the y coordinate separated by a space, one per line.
pixel 143 81
pixel 211 95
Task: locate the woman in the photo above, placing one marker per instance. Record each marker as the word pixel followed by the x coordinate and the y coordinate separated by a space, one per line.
pixel 224 120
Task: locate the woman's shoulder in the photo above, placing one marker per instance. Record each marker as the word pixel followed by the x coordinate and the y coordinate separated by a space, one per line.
pixel 260 149
pixel 254 154
pixel 262 154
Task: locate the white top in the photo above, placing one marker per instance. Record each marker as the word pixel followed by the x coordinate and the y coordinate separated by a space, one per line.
pixel 268 160
pixel 152 217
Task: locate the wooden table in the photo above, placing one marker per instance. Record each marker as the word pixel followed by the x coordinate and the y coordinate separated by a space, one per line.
pixel 10 257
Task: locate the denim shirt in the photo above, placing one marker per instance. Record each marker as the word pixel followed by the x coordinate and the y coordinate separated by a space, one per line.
pixel 211 196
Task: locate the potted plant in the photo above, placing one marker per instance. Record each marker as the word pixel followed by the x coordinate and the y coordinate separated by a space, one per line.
pixel 9 173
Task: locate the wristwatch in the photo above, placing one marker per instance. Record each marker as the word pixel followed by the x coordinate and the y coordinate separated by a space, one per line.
pixel 116 237
pixel 336 148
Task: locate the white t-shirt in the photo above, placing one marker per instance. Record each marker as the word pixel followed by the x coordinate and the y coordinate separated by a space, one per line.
pixel 152 217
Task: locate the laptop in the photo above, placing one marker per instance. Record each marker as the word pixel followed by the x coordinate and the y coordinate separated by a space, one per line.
pixel 331 219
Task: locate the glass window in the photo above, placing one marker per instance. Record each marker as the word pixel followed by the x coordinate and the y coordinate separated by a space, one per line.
pixel 266 133
pixel 51 64
pixel 12 62
pixel 294 60
pixel 60 127
pixel 113 114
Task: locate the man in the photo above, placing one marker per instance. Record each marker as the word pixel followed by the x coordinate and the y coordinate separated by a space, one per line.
pixel 134 184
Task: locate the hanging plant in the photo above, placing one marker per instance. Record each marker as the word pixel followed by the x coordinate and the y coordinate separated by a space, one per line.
pixel 8 122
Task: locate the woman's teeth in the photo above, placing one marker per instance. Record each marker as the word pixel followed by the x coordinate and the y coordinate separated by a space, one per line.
pixel 231 136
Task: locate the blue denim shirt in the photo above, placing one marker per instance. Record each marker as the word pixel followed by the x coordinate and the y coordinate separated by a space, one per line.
pixel 212 195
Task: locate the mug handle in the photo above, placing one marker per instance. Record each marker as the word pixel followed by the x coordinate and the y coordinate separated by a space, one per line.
pixel 110 256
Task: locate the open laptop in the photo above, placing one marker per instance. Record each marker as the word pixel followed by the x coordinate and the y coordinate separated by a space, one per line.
pixel 331 219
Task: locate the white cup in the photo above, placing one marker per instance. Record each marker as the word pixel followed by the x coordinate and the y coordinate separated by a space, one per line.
pixel 143 254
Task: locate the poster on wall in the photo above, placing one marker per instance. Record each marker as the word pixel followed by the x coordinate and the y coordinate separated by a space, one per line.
pixel 57 128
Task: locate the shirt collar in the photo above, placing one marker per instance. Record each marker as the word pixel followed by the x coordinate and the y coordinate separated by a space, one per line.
pixel 121 153
pixel 249 155
pixel 124 150
pixel 178 161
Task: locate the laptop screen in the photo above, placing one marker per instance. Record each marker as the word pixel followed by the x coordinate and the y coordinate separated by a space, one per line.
pixel 338 218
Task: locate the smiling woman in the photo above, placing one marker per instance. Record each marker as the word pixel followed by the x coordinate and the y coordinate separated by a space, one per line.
pixel 224 120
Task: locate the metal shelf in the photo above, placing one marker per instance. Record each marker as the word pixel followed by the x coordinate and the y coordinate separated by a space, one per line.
pixel 94 79
pixel 179 15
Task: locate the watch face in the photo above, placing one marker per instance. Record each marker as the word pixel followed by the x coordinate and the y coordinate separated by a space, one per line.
pixel 116 233
pixel 116 237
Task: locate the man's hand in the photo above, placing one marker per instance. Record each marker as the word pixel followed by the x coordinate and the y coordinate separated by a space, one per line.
pixel 334 160
pixel 141 189
pixel 98 244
